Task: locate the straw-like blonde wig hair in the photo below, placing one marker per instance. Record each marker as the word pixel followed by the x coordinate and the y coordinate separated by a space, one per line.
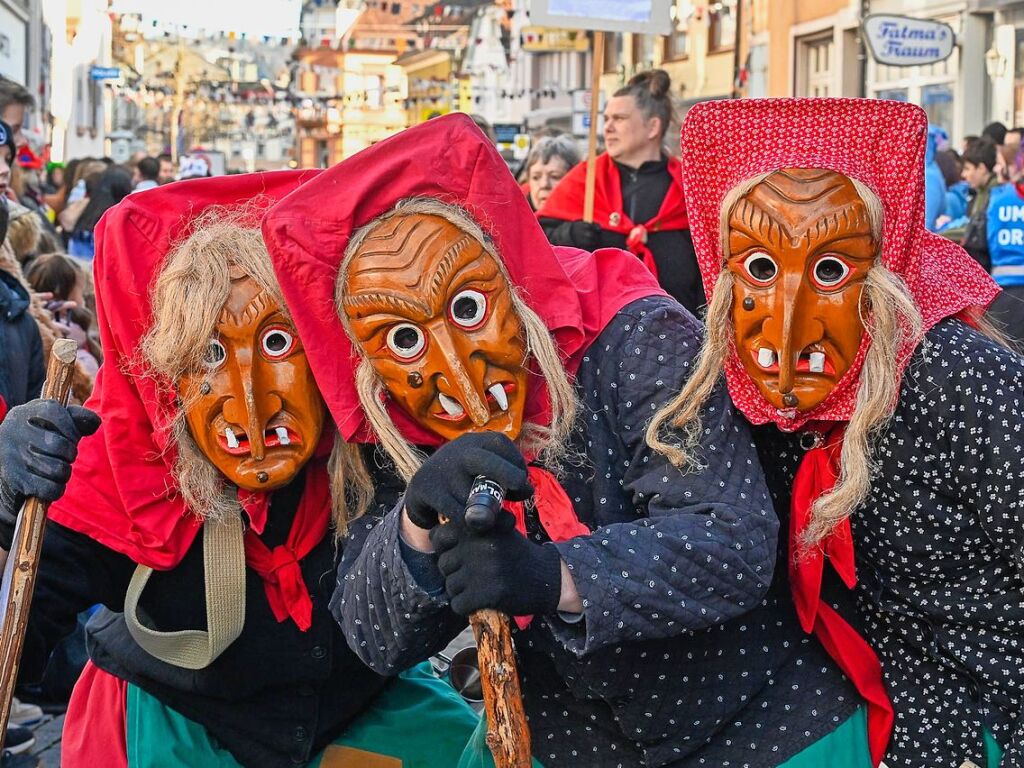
pixel 188 297
pixel 549 443
pixel 892 321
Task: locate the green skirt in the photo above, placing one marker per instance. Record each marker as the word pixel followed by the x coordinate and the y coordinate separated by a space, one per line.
pixel 418 721
pixel 847 747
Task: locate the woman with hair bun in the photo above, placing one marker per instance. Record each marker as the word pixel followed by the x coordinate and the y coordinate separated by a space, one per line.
pixel 638 195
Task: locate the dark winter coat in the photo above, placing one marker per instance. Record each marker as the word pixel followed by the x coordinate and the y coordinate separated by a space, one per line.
pixel 276 696
pixel 22 369
pixel 687 651
pixel 940 550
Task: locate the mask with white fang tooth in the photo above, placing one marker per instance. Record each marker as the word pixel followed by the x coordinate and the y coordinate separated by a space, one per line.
pixel 800 244
pixel 253 410
pixel 431 310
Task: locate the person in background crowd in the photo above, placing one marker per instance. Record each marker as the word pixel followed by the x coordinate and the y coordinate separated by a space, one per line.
pixel 146 174
pixel 110 189
pixel 979 172
pixel 996 132
pixel 638 200
pixel 957 190
pixel 484 125
pixel 1005 234
pixel 15 101
pixel 550 159
pixel 166 169
pixel 24 233
pixel 64 279
pixel 934 181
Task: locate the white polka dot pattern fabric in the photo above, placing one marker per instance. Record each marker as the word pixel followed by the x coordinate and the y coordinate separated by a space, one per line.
pixel 686 655
pixel 879 143
pixel 940 550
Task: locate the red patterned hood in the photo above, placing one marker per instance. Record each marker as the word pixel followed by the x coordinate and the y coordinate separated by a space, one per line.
pixel 880 144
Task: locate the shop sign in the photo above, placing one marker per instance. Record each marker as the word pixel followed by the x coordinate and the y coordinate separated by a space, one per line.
pixel 902 41
pixel 546 39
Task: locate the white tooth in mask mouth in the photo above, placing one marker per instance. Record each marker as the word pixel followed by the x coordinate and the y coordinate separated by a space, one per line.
pixel 229 435
pixel 282 436
pixel 451 406
pixel 816 362
pixel 500 397
pixel 765 357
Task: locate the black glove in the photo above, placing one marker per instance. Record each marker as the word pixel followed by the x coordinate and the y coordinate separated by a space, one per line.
pixel 585 234
pixel 38 442
pixel 500 569
pixel 441 486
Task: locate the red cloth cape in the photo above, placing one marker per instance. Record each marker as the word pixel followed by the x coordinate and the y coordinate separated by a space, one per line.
pixel 566 202
pixel 120 492
pixel 879 143
pixel 574 292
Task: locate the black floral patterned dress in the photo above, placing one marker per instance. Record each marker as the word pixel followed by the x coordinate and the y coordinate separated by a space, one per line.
pixel 940 550
pixel 688 652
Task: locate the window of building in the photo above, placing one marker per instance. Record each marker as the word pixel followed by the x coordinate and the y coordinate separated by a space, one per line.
pixel 677 45
pixel 814 65
pixel 643 52
pixel 721 25
pixel 612 52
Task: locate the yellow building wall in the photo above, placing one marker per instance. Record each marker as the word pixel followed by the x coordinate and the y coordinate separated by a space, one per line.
pixel 426 100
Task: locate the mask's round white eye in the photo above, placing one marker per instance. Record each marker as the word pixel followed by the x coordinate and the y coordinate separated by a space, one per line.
pixel 406 341
pixel 215 354
pixel 277 343
pixel 830 271
pixel 761 267
pixel 468 308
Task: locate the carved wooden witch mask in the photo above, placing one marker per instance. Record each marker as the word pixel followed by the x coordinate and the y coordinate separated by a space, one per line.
pixel 254 410
pixel 800 246
pixel 432 311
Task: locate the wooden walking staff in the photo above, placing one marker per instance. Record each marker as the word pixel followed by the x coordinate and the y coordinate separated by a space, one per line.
pixel 19 578
pixel 597 67
pixel 508 735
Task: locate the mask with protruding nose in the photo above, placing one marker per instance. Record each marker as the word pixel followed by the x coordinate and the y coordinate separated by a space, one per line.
pixel 432 311
pixel 254 409
pixel 800 246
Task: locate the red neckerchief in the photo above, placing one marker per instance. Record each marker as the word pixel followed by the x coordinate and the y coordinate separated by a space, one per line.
pixel 557 516
pixel 3 408
pixel 816 476
pixel 566 202
pixel 279 567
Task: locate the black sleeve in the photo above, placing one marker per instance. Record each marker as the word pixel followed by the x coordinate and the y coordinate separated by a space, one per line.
pixel 703 550
pixel 558 231
pixel 75 573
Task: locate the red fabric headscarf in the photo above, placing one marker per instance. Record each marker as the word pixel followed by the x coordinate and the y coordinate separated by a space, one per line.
pixel 574 292
pixel 120 492
pixel 879 143
pixel 566 202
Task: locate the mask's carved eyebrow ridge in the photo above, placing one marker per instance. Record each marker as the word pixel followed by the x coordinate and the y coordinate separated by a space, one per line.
pixel 757 221
pixel 364 304
pixel 852 217
pixel 438 282
pixel 250 312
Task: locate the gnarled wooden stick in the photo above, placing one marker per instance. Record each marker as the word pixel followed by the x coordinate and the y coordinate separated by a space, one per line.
pixel 508 735
pixel 19 578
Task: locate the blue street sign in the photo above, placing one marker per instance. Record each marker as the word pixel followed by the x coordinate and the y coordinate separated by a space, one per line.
pixel 105 73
